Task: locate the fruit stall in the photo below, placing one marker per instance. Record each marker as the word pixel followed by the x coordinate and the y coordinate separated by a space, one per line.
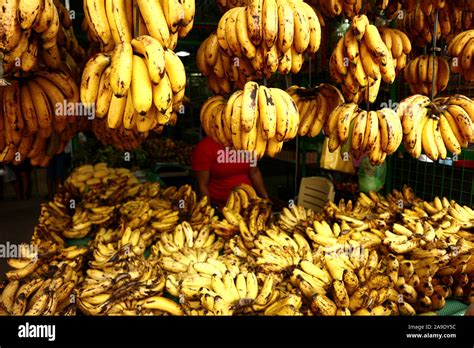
pixel 374 95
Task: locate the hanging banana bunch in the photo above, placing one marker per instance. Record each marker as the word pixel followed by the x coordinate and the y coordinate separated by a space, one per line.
pixel 398 44
pixel 256 119
pixel 436 127
pixel 376 133
pixel 111 22
pixel 223 73
pixel 462 49
pixel 37 34
pixel 140 85
pixel 361 60
pixel 35 122
pixel 314 106
pixel 419 18
pixel 421 71
pixel 273 35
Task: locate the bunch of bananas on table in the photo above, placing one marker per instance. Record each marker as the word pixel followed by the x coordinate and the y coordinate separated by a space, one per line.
pixel 113 22
pixel 256 119
pixel 44 283
pixel 418 19
pixel 124 283
pixel 314 106
pixel 421 72
pixel 273 35
pixel 438 126
pixel 139 85
pixel 34 121
pixel 37 33
pixel 361 60
pixel 462 49
pixel 223 72
pixel 378 133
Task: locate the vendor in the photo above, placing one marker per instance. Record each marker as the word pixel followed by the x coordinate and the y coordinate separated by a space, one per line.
pixel 219 169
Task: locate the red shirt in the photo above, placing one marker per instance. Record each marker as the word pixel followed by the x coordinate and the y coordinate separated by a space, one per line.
pixel 223 176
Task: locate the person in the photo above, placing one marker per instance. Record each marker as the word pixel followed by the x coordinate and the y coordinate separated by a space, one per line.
pixel 219 169
pixel 22 179
pixel 57 170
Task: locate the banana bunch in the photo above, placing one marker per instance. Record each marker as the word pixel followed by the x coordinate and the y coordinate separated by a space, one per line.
pixel 223 72
pixel 314 106
pixel 377 133
pixel 120 138
pixel 436 127
pixel 114 22
pixel 241 197
pixel 461 49
pixel 33 122
pixel 257 119
pixel 171 244
pixel 361 60
pixel 418 19
pixel 277 251
pixel 295 218
pixel 421 71
pixel 34 34
pixel 138 86
pixel 398 44
pixel 201 214
pixel 33 296
pixel 273 35
pixel 456 278
pixel 335 8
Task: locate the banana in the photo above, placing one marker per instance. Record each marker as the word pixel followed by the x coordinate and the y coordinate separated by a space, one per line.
pixel 314 28
pixel 154 56
pixel 141 87
pixel 116 111
pixel 162 304
pixel 270 22
pixel 391 131
pixel 286 26
pixel 10 34
pixel 43 109
pixel 463 120
pixel 91 78
pixel 301 29
pixel 359 131
pixel 247 47
pixel 155 20
pixel 359 26
pixel 174 13
pixel 254 21
pixel 175 70
pixel 371 131
pixel 249 106
pixel 231 36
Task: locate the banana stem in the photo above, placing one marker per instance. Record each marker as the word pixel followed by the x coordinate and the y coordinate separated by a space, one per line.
pixel 436 23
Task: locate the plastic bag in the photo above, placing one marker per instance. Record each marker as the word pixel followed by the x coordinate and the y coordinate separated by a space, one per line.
pixel 334 161
pixel 371 178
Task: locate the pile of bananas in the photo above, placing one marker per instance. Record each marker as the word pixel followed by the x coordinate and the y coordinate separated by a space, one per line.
pixel 124 283
pixel 421 72
pixel 462 49
pixel 314 106
pixel 35 122
pixel 436 127
pixel 361 60
pixel 377 133
pixel 257 120
pixel 418 19
pixel 37 34
pixel 223 72
pixel 334 8
pixel 134 92
pixel 273 35
pixel 114 22
pixel 43 284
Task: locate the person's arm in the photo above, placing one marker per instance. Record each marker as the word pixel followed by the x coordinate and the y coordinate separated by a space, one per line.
pixel 257 182
pixel 202 178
